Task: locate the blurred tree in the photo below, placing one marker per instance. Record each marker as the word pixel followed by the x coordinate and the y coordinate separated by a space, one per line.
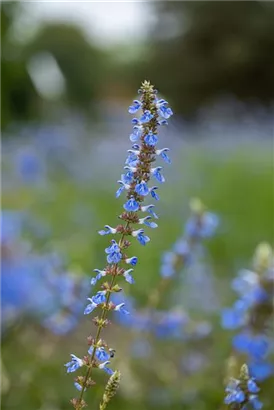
pixel 80 63
pixel 205 49
pixel 19 98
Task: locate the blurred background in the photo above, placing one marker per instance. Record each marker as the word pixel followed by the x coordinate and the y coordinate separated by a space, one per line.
pixel 69 72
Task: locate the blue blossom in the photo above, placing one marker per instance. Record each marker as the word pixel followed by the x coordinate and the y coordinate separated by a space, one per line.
pixel 78 386
pixel 163 154
pixel 163 110
pixel 135 121
pixel 100 274
pixel 100 297
pixel 139 234
pixel 135 107
pixel 120 190
pixel 131 205
pixel 132 261
pixel 142 189
pixel 146 221
pixel 108 230
pixel 149 208
pixel 143 239
pixel 252 386
pixel 128 277
pixel 232 319
pixel 256 346
pixel 261 370
pixel 90 307
pixel 121 308
pixel 151 139
pixel 255 402
pixel 162 122
pixel 128 177
pixel 156 173
pixel 100 353
pixel 113 252
pixel 137 133
pixel 103 366
pixel 146 117
pixel 235 394
pixel 132 160
pixel 74 364
pixel 202 226
pixel 153 193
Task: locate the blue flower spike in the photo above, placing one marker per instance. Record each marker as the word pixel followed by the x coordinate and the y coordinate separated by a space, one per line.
pixel 241 393
pixel 150 112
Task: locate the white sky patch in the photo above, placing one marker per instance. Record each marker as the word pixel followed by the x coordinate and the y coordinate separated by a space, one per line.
pixel 105 22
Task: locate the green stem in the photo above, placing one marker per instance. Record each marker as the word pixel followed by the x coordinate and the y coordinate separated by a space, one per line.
pixel 100 326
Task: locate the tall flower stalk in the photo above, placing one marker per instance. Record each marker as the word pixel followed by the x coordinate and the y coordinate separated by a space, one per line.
pixel 252 314
pixel 134 182
pixel 200 225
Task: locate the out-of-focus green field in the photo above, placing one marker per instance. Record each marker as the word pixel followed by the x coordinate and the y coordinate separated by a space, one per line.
pixel 237 185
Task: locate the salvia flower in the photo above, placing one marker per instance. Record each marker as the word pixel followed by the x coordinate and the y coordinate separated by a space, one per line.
pixel 242 393
pixel 252 313
pixel 135 184
pixel 200 225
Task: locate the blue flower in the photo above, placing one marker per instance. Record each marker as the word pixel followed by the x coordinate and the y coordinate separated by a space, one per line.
pixel 132 160
pixel 101 353
pixel 74 364
pixel 132 261
pixel 100 274
pixel 139 234
pixel 256 346
pixel 114 253
pixel 148 208
pixel 151 139
pixel 100 297
pixel 252 386
pixel 137 133
pixel 153 193
pixel 109 230
pixel 146 221
pixel 142 188
pixel 143 239
pixel 167 270
pixel 121 308
pixel 162 122
pixel 90 307
pixel 235 394
pixel 156 173
pixel 163 154
pixel 146 117
pixel 163 109
pixel 104 367
pixel 135 107
pixel 128 276
pixel 135 121
pixel 261 370
pixel 232 318
pixel 255 402
pixel 78 386
pixel 131 205
pixel 202 227
pixel 128 177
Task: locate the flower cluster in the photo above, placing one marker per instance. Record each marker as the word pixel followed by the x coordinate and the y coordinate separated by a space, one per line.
pixel 135 182
pixel 201 225
pixel 253 311
pixel 242 392
pixel 24 269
